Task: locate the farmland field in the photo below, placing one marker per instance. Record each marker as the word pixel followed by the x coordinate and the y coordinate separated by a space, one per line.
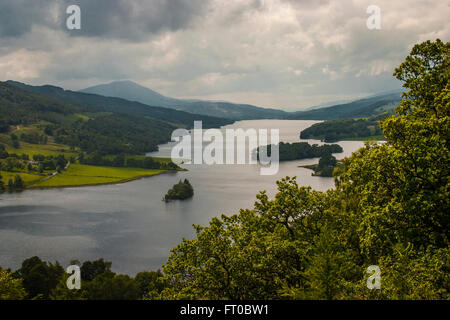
pixel 81 175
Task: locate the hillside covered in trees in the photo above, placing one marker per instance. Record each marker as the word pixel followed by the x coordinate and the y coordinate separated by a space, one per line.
pixel 361 108
pixel 122 106
pixel 346 129
pixel 42 138
pixel 80 126
pixel 90 122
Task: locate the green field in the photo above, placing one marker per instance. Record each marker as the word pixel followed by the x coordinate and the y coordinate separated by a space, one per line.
pixel 77 174
pixel 49 149
pixel 83 175
pixel 28 178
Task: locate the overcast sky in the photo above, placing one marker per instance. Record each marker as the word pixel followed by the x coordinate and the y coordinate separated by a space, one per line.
pixel 287 54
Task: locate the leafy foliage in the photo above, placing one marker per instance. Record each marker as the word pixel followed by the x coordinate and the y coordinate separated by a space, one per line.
pixel 10 288
pixel 39 277
pixel 390 208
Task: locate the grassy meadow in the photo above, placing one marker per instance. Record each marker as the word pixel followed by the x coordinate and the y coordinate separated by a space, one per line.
pixel 83 175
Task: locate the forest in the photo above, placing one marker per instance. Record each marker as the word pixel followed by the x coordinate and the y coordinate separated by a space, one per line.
pixel 362 108
pixel 347 129
pixel 83 127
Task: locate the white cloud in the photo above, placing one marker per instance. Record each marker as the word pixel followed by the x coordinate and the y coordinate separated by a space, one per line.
pixel 23 64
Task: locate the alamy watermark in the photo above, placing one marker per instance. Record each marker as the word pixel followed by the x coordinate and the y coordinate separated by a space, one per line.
pixel 73 21
pixel 374 280
pixel 374 20
pixel 238 146
pixel 74 280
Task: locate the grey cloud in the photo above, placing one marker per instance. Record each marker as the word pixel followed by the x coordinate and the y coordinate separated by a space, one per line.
pixel 133 20
pixel 17 17
pixel 281 53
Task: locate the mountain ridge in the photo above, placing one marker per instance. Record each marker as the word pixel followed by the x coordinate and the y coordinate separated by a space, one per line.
pixel 119 105
pixel 360 108
pixel 205 110
pixel 130 90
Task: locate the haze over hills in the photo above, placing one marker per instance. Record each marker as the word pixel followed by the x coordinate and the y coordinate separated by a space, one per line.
pixel 213 114
pixel 118 105
pixel 365 107
pixel 132 91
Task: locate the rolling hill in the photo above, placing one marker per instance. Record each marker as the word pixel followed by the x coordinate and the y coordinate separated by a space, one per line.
pixel 132 91
pixel 88 128
pixel 361 108
pixel 118 105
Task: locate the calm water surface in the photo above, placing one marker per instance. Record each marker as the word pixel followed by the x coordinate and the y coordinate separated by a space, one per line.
pixel 128 224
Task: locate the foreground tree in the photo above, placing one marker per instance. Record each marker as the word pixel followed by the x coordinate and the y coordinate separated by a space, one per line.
pixel 39 277
pixel 390 208
pixel 403 186
pixel 10 288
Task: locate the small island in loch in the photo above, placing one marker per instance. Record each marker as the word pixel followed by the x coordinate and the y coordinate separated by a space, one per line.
pixel 181 191
pixel 325 167
pixel 300 150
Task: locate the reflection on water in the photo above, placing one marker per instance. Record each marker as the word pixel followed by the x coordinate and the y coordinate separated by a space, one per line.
pixel 128 224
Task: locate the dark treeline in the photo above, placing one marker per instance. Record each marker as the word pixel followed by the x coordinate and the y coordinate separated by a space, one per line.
pixel 14 163
pixel 37 279
pixel 122 160
pixel 3 153
pixel 361 108
pixel 114 134
pixel 335 130
pixel 4 126
pixel 15 184
pixel 302 150
pixel 325 167
pixel 34 138
pixel 107 133
pixel 38 163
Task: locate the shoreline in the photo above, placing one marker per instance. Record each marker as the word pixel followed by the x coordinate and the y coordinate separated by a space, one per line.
pixel 101 183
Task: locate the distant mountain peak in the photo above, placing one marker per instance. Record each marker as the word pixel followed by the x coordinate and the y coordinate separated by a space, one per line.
pixel 129 90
